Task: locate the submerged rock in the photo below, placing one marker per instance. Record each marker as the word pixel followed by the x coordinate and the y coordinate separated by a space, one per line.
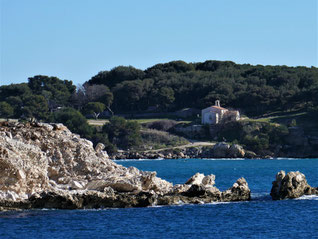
pixel 47 166
pixel 291 185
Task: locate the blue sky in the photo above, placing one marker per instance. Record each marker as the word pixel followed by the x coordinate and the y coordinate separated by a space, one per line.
pixel 75 39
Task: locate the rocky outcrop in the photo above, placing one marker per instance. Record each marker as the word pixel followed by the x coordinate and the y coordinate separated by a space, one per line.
pixel 45 165
pixel 219 150
pixel 291 185
pixel 200 189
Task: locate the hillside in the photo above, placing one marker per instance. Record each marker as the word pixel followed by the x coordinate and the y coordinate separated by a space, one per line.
pixel 274 94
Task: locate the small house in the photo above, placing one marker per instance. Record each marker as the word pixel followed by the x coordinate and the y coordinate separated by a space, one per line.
pixel 216 114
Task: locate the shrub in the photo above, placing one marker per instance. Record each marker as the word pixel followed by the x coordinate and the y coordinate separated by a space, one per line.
pixel 124 134
pixel 156 139
pixel 164 125
pixel 6 110
pixel 74 121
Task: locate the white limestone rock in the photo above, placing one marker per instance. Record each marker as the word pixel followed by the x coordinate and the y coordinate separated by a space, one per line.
pixel 200 178
pixel 40 157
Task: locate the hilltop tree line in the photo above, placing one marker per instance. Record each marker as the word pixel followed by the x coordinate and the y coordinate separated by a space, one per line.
pixel 254 90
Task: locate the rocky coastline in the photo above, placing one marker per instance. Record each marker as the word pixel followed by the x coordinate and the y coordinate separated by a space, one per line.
pixel 47 166
pixel 219 150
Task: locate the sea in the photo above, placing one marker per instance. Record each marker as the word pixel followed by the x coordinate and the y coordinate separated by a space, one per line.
pixel 259 218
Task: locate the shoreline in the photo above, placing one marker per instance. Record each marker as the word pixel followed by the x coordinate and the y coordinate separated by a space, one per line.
pixel 47 166
pixel 212 159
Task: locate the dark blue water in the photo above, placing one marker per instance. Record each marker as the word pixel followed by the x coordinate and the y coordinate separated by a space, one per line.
pixel 259 218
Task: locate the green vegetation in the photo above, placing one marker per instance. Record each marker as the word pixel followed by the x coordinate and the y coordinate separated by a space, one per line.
pixel 156 139
pixel 255 90
pixel 256 136
pixel 122 133
pixel 94 108
pixel 117 133
pixel 74 120
pixel 6 110
pixel 270 96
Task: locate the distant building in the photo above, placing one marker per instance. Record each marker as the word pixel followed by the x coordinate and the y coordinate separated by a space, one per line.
pixel 217 114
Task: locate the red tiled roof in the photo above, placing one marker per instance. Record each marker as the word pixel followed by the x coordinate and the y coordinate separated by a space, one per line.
pixel 218 107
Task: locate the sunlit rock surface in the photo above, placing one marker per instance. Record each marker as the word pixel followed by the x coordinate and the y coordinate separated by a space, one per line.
pixel 47 166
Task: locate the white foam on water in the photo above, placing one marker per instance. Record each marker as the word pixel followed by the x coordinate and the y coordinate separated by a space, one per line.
pixel 288 158
pixel 233 202
pixel 214 159
pixel 307 197
pixel 156 206
pixel 217 203
pixel 260 197
pixel 98 209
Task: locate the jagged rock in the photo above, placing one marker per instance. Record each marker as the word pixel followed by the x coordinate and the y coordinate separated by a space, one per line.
pixel 195 191
pixel 180 188
pixel 236 151
pixel 199 179
pixel 221 150
pixel 237 192
pixel 43 165
pixel 195 179
pixel 77 185
pixel 27 166
pixel 99 148
pixel 208 180
pixel 291 185
pixel 250 154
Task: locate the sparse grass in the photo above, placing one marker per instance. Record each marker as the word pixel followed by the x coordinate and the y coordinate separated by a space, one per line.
pixel 142 121
pixel 156 139
pixel 275 117
pixel 304 119
pixel 261 120
pixel 12 120
pixel 100 122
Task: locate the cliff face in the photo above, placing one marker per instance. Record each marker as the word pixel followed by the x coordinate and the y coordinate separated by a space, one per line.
pixel 45 165
pixel 41 157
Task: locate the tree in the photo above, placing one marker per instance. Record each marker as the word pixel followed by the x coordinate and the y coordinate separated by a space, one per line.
pixel 19 90
pixel 56 91
pixel 92 93
pixel 100 93
pixel 116 75
pixel 94 108
pixel 74 121
pixel 16 103
pixel 165 97
pixel 6 110
pixel 124 134
pixel 128 94
pixel 173 66
pixel 35 106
